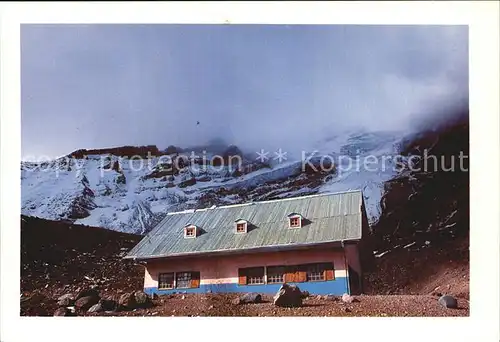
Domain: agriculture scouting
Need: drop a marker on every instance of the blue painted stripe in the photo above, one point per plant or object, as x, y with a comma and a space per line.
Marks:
334, 287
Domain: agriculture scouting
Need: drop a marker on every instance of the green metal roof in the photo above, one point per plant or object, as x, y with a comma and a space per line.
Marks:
326, 218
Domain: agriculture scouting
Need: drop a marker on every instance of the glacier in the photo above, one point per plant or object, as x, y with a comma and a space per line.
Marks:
127, 195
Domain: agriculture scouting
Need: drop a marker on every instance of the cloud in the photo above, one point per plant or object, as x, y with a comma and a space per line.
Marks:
258, 86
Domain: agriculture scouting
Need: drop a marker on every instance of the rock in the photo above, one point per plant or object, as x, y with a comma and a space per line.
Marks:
305, 294
288, 296
186, 183
250, 298
183, 297
127, 301
319, 297
90, 292
108, 304
448, 302
66, 300
62, 312
95, 308
236, 301
142, 300
120, 179
331, 298
85, 303
348, 299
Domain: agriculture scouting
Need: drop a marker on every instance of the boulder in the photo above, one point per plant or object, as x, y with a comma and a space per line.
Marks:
95, 308
288, 296
348, 299
108, 304
127, 300
250, 298
90, 292
66, 300
134, 300
142, 300
85, 303
448, 302
62, 312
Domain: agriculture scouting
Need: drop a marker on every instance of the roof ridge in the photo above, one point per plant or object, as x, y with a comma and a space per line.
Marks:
190, 211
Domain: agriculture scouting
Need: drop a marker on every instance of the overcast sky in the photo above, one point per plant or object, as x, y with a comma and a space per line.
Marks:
257, 86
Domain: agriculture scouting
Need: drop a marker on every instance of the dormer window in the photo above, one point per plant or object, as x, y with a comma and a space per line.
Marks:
189, 231
295, 220
241, 226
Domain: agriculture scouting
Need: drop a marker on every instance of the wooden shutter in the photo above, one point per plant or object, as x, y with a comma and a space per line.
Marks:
301, 274
242, 277
290, 274
195, 279
328, 273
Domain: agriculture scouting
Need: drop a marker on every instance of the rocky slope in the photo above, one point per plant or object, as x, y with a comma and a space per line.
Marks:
421, 240
58, 257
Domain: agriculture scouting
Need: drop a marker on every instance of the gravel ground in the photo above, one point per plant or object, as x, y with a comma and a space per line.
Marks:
220, 305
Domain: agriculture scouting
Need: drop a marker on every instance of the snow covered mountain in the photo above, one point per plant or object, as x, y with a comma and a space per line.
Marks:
107, 188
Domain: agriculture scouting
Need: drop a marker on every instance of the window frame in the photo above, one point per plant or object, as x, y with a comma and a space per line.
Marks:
283, 274
239, 223
190, 228
324, 268
159, 280
245, 273
297, 273
177, 279
319, 270
194, 279
292, 218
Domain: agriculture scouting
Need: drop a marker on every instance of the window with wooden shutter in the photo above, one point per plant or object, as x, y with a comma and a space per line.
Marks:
251, 276
195, 279
328, 271
276, 274
290, 274
320, 272
295, 274
329, 275
242, 277
187, 280
300, 274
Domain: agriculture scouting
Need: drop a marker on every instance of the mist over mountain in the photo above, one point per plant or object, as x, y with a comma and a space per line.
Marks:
254, 86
